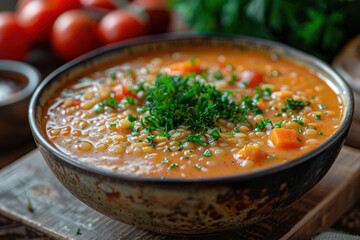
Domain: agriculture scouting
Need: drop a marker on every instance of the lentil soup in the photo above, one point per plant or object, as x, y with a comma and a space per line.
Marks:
192, 113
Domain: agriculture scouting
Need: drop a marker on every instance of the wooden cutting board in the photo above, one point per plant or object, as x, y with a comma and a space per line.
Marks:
55, 213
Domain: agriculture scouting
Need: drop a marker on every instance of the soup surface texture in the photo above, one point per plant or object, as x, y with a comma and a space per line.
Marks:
193, 113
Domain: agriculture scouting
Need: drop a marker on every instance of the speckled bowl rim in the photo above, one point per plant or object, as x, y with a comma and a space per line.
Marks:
117, 176
28, 71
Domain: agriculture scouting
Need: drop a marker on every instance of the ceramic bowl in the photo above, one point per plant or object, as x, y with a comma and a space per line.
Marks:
14, 126
189, 206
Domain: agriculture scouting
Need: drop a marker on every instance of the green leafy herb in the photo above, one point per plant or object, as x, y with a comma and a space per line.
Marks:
186, 157
218, 75
197, 166
130, 100
236, 130
193, 59
165, 134
298, 120
291, 105
131, 118
113, 76
317, 116
111, 102
174, 165
299, 139
215, 133
263, 123
278, 125
278, 114
114, 124
207, 153
234, 79
320, 133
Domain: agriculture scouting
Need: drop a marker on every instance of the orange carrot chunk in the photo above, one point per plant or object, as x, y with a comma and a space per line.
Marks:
252, 152
286, 138
187, 67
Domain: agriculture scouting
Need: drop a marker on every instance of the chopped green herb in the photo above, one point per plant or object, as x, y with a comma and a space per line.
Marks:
186, 157
263, 123
114, 124
113, 76
236, 130
197, 166
320, 133
300, 130
140, 140
234, 79
191, 151
130, 100
111, 102
135, 131
174, 165
195, 138
298, 120
291, 105
218, 75
132, 124
215, 133
131, 118
312, 97
193, 59
207, 153
278, 114
317, 116
168, 149
231, 134
278, 125
299, 139
165, 134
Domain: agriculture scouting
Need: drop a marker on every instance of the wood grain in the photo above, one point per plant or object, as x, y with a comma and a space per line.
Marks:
59, 215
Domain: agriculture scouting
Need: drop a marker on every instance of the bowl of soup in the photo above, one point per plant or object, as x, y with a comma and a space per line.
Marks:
191, 134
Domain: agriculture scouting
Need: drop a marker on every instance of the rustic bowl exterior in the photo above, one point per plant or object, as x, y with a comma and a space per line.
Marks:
14, 127
189, 206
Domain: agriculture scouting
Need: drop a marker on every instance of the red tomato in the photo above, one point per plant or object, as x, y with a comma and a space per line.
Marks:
73, 34
158, 13
251, 79
121, 92
14, 43
108, 4
37, 16
121, 24
64, 5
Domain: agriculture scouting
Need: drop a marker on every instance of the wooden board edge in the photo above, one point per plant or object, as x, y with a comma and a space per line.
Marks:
328, 211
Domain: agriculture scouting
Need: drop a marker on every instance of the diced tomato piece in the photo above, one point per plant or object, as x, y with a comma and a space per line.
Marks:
252, 152
121, 92
251, 79
286, 138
